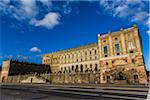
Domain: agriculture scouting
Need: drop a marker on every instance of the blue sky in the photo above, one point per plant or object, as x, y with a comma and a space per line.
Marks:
30, 28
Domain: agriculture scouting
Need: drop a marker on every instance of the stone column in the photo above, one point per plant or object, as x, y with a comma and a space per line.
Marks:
123, 43
110, 45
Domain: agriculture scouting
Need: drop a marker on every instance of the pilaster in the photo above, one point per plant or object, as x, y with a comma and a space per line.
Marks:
110, 45
123, 43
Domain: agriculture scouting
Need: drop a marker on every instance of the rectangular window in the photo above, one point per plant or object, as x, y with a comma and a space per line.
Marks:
130, 45
117, 48
105, 50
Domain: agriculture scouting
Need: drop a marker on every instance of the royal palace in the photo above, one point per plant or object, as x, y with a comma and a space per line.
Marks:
116, 56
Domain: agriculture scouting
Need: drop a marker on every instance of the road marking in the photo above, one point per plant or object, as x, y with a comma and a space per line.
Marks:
122, 97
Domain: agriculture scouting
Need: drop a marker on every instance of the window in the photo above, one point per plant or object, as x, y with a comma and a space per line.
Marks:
76, 70
130, 45
95, 52
131, 51
104, 41
96, 69
118, 53
133, 61
106, 63
117, 49
77, 60
90, 52
81, 68
105, 51
72, 68
116, 38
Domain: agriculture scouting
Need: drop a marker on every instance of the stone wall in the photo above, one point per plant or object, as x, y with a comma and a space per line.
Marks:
70, 78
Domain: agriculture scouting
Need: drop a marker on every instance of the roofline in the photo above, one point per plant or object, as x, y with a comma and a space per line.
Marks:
70, 49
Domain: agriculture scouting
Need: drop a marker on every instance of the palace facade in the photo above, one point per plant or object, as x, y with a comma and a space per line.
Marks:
117, 56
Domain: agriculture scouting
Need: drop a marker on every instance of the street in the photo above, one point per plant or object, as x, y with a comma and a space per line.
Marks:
50, 92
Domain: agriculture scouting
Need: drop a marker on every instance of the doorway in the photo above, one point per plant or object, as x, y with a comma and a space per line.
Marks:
108, 79
136, 79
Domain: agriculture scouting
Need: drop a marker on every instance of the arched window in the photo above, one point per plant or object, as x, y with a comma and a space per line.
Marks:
96, 69
90, 52
61, 69
76, 70
95, 52
72, 68
81, 68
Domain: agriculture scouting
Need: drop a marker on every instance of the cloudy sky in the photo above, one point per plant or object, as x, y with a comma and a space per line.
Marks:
30, 28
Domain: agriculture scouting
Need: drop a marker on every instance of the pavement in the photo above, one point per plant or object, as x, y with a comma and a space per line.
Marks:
71, 92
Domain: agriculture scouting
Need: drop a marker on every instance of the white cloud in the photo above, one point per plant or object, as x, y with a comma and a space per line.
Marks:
148, 32
132, 10
49, 21
47, 3
35, 49
133, 2
148, 22
28, 10
121, 11
141, 16
5, 1
66, 7
29, 7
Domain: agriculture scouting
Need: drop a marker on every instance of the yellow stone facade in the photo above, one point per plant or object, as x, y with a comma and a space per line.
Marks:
117, 55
